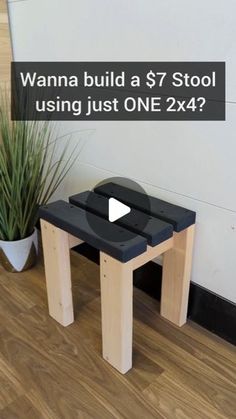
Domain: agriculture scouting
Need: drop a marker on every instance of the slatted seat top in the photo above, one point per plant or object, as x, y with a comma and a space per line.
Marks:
74, 220
179, 217
155, 230
133, 232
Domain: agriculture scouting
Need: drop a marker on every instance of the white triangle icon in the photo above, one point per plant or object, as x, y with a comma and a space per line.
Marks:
117, 210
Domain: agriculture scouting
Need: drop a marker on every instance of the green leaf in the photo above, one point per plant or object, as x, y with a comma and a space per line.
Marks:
33, 163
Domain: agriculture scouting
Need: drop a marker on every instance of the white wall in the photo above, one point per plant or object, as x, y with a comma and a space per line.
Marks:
188, 163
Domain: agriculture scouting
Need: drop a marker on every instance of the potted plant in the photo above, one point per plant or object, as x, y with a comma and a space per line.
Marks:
32, 166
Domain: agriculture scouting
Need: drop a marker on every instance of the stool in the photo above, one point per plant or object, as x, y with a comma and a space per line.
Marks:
169, 230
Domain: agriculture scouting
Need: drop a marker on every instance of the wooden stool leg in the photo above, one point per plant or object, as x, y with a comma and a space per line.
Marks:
58, 274
117, 312
176, 277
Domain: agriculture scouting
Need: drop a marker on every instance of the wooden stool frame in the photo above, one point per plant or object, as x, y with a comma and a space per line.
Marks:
117, 287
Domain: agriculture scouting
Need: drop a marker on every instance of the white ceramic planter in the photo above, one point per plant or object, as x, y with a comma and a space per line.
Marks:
17, 256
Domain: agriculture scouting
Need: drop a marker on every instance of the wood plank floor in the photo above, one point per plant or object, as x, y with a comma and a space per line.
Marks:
51, 372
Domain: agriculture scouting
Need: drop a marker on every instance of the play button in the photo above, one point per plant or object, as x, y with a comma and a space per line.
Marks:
117, 210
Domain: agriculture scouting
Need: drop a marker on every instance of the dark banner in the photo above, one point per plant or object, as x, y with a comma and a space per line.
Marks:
118, 91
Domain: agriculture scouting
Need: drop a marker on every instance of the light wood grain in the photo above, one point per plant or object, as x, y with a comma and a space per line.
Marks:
5, 46
56, 249
152, 253
177, 264
117, 312
117, 286
74, 241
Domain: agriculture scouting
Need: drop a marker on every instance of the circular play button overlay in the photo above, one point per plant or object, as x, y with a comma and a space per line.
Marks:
116, 200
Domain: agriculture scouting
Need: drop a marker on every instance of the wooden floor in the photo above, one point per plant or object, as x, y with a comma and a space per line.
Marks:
51, 372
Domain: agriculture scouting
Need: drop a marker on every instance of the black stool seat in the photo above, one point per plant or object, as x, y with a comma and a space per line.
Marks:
73, 220
143, 226
155, 230
179, 217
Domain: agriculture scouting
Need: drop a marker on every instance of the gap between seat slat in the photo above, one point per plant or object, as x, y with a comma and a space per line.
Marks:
181, 218
73, 220
154, 230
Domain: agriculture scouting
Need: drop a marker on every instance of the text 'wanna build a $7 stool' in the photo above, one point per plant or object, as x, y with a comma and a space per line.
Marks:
168, 230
